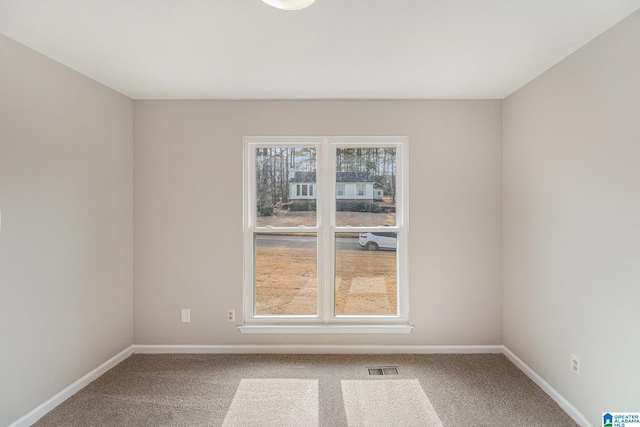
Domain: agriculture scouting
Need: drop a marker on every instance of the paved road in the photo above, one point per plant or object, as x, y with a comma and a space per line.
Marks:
303, 242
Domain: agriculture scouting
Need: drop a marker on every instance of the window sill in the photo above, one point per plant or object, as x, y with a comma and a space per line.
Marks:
326, 329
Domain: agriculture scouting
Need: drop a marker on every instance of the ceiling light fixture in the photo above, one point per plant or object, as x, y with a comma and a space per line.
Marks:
289, 4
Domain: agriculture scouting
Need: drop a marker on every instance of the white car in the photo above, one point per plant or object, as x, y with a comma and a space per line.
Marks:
378, 240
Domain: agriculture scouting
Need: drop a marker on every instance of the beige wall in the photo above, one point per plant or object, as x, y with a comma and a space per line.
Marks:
571, 223
66, 236
188, 213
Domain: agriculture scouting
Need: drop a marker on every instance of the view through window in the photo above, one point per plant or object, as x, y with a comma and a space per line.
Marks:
324, 221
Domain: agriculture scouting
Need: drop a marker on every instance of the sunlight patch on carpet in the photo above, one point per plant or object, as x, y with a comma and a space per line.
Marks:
274, 402
388, 403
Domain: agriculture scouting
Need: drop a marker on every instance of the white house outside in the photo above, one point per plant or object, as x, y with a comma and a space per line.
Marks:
349, 186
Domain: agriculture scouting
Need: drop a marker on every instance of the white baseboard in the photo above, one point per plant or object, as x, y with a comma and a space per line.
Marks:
33, 416
566, 406
317, 349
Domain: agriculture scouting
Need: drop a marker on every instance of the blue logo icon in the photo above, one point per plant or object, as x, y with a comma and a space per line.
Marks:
607, 420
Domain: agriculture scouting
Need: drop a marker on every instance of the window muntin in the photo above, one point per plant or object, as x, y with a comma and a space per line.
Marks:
320, 158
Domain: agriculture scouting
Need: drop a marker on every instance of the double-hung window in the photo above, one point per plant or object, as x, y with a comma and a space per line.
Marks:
323, 251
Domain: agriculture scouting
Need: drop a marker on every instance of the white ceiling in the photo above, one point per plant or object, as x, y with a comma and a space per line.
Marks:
244, 49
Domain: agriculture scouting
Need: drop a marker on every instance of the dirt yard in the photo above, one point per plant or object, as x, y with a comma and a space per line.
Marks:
286, 278
286, 281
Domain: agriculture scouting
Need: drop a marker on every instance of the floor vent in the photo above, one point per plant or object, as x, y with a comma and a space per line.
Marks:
384, 370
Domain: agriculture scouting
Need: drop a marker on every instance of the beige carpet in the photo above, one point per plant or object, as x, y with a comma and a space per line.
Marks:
325, 390
274, 403
387, 402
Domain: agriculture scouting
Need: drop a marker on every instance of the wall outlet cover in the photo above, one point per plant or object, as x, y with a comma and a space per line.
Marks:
575, 364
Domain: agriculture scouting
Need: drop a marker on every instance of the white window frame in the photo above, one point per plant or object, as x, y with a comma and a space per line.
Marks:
325, 321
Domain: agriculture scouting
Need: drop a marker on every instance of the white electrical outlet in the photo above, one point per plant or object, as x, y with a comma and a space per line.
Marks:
575, 364
231, 315
185, 315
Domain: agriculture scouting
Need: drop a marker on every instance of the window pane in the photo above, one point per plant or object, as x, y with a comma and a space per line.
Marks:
286, 274
365, 187
284, 187
366, 274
